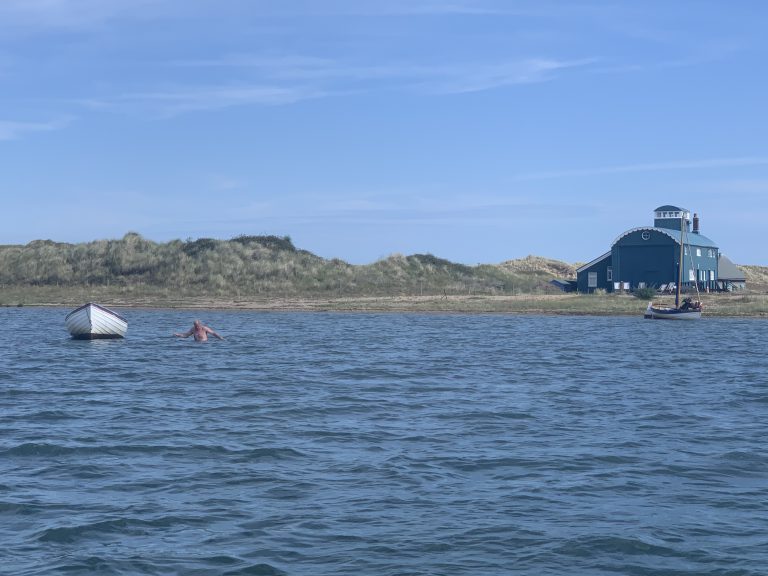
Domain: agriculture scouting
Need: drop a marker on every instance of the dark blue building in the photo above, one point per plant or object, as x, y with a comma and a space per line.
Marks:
648, 256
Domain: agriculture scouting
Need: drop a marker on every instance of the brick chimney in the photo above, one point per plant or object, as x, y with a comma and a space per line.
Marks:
695, 223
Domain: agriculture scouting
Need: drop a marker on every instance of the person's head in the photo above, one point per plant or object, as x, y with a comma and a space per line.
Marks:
197, 323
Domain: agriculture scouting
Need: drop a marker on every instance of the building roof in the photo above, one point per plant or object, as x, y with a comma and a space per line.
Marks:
669, 208
595, 261
727, 270
691, 238
564, 285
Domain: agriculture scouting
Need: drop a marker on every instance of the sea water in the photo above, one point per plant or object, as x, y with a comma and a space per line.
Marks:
384, 444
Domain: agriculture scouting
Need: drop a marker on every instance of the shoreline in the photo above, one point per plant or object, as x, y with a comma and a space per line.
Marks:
745, 305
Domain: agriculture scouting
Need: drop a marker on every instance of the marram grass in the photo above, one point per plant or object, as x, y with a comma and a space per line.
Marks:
270, 273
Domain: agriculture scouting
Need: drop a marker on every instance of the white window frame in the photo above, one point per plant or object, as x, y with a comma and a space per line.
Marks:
591, 279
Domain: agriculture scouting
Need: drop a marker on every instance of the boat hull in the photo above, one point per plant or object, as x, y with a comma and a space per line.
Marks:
672, 314
92, 322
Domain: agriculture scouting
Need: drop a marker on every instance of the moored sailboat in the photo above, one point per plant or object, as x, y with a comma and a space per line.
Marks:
688, 308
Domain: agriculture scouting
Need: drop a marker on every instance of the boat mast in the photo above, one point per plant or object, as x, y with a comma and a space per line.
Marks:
680, 264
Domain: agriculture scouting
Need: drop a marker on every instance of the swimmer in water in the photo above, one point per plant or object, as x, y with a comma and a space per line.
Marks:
200, 332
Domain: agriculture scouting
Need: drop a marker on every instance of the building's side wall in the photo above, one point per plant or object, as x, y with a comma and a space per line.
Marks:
600, 269
704, 263
645, 265
649, 257
652, 262
669, 223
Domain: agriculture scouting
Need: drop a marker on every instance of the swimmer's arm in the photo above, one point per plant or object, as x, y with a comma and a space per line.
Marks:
212, 331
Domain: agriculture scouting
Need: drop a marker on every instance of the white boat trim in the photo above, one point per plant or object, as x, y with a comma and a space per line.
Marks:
91, 321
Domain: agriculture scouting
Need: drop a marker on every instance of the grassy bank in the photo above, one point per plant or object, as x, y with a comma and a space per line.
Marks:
257, 267
716, 305
270, 273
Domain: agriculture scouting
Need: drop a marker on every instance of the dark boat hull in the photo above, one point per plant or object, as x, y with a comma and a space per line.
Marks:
672, 313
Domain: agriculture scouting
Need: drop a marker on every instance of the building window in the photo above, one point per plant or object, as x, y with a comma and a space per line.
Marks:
686, 250
646, 235
610, 274
711, 274
698, 251
592, 280
711, 253
691, 275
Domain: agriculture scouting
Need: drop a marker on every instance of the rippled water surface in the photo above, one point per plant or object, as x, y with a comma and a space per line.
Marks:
364, 444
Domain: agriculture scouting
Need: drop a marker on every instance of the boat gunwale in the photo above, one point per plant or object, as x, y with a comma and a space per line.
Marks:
100, 307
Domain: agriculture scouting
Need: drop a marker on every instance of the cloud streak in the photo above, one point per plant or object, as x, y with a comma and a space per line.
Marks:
480, 78
183, 100
282, 80
10, 130
331, 77
437, 8
68, 14
649, 167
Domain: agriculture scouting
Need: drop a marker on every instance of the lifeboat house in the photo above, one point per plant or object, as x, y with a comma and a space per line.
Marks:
648, 257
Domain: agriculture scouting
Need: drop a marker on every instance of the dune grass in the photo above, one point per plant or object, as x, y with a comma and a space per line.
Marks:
270, 273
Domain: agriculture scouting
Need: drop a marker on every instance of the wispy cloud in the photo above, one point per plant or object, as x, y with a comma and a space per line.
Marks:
224, 183
260, 80
10, 130
445, 78
479, 78
66, 13
88, 13
436, 8
650, 167
446, 207
195, 99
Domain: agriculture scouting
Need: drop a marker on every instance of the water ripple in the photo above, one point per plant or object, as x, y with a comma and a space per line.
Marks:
312, 444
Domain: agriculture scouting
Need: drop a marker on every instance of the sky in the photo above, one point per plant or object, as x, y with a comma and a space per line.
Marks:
475, 130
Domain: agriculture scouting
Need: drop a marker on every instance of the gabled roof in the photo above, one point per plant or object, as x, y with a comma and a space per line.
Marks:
727, 270
595, 261
690, 238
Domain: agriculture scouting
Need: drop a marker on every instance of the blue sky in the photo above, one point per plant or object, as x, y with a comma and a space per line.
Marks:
477, 130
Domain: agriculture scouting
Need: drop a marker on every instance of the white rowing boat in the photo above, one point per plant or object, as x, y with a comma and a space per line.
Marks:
92, 321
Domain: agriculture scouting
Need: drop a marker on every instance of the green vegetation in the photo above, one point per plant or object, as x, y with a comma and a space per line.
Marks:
269, 272
645, 293
252, 266
757, 277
